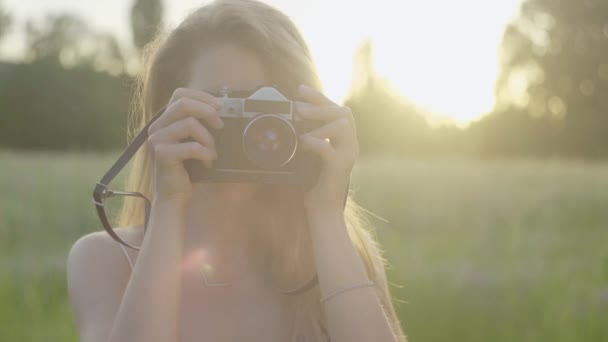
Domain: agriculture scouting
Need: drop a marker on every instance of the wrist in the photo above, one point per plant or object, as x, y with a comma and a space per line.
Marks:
168, 212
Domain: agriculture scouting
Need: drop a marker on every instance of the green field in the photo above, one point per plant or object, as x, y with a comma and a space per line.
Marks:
479, 251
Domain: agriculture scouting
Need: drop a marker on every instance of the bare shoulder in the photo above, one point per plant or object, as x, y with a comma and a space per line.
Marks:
99, 249
97, 275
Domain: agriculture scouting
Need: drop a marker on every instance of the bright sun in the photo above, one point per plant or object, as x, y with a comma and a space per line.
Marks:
442, 54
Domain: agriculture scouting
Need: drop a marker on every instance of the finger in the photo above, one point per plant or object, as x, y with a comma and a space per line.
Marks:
320, 146
196, 95
184, 107
325, 113
334, 129
185, 128
174, 153
314, 96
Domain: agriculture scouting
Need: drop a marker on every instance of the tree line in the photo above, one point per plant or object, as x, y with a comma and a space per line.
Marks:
72, 89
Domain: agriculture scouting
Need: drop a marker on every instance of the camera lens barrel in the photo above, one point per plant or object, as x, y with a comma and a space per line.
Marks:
269, 141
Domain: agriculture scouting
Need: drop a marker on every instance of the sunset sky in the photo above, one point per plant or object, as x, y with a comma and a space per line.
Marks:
441, 54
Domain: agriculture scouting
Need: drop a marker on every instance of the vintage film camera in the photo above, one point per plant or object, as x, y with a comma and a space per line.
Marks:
259, 142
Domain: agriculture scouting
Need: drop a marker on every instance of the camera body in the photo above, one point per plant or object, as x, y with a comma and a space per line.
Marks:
259, 142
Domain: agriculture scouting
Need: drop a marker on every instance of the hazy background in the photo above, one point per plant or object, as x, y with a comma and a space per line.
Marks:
483, 128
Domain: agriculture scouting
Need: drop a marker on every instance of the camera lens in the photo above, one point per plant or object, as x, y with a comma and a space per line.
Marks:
269, 141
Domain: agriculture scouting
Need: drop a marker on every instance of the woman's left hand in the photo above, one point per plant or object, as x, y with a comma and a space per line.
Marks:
338, 155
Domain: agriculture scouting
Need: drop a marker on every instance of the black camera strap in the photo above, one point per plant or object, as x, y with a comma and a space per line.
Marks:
101, 187
128, 153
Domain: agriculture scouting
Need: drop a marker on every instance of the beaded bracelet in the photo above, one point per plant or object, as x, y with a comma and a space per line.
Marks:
344, 289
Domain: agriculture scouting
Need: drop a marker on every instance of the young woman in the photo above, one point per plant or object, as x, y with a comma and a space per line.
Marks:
252, 241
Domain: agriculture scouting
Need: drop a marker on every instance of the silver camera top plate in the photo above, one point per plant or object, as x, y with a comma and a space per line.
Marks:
258, 103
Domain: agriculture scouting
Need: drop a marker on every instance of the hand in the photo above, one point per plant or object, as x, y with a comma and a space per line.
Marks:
338, 155
179, 121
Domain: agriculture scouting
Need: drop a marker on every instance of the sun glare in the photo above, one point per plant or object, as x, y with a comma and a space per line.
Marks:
441, 55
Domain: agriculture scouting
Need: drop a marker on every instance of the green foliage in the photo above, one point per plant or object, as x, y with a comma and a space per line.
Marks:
67, 40
58, 35
44, 204
45, 106
493, 251
560, 49
70, 94
5, 21
146, 21
389, 124
477, 251
73, 93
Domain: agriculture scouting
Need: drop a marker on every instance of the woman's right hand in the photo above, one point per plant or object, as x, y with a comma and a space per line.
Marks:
166, 135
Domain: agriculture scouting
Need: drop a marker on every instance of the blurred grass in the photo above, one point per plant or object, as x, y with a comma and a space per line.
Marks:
478, 251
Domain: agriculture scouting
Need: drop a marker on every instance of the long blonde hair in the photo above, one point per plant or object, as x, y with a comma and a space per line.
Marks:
274, 37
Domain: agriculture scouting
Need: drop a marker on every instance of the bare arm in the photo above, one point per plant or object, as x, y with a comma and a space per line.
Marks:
150, 307
148, 310
357, 314
147, 307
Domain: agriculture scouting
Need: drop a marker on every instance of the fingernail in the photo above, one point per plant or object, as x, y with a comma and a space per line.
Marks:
219, 103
